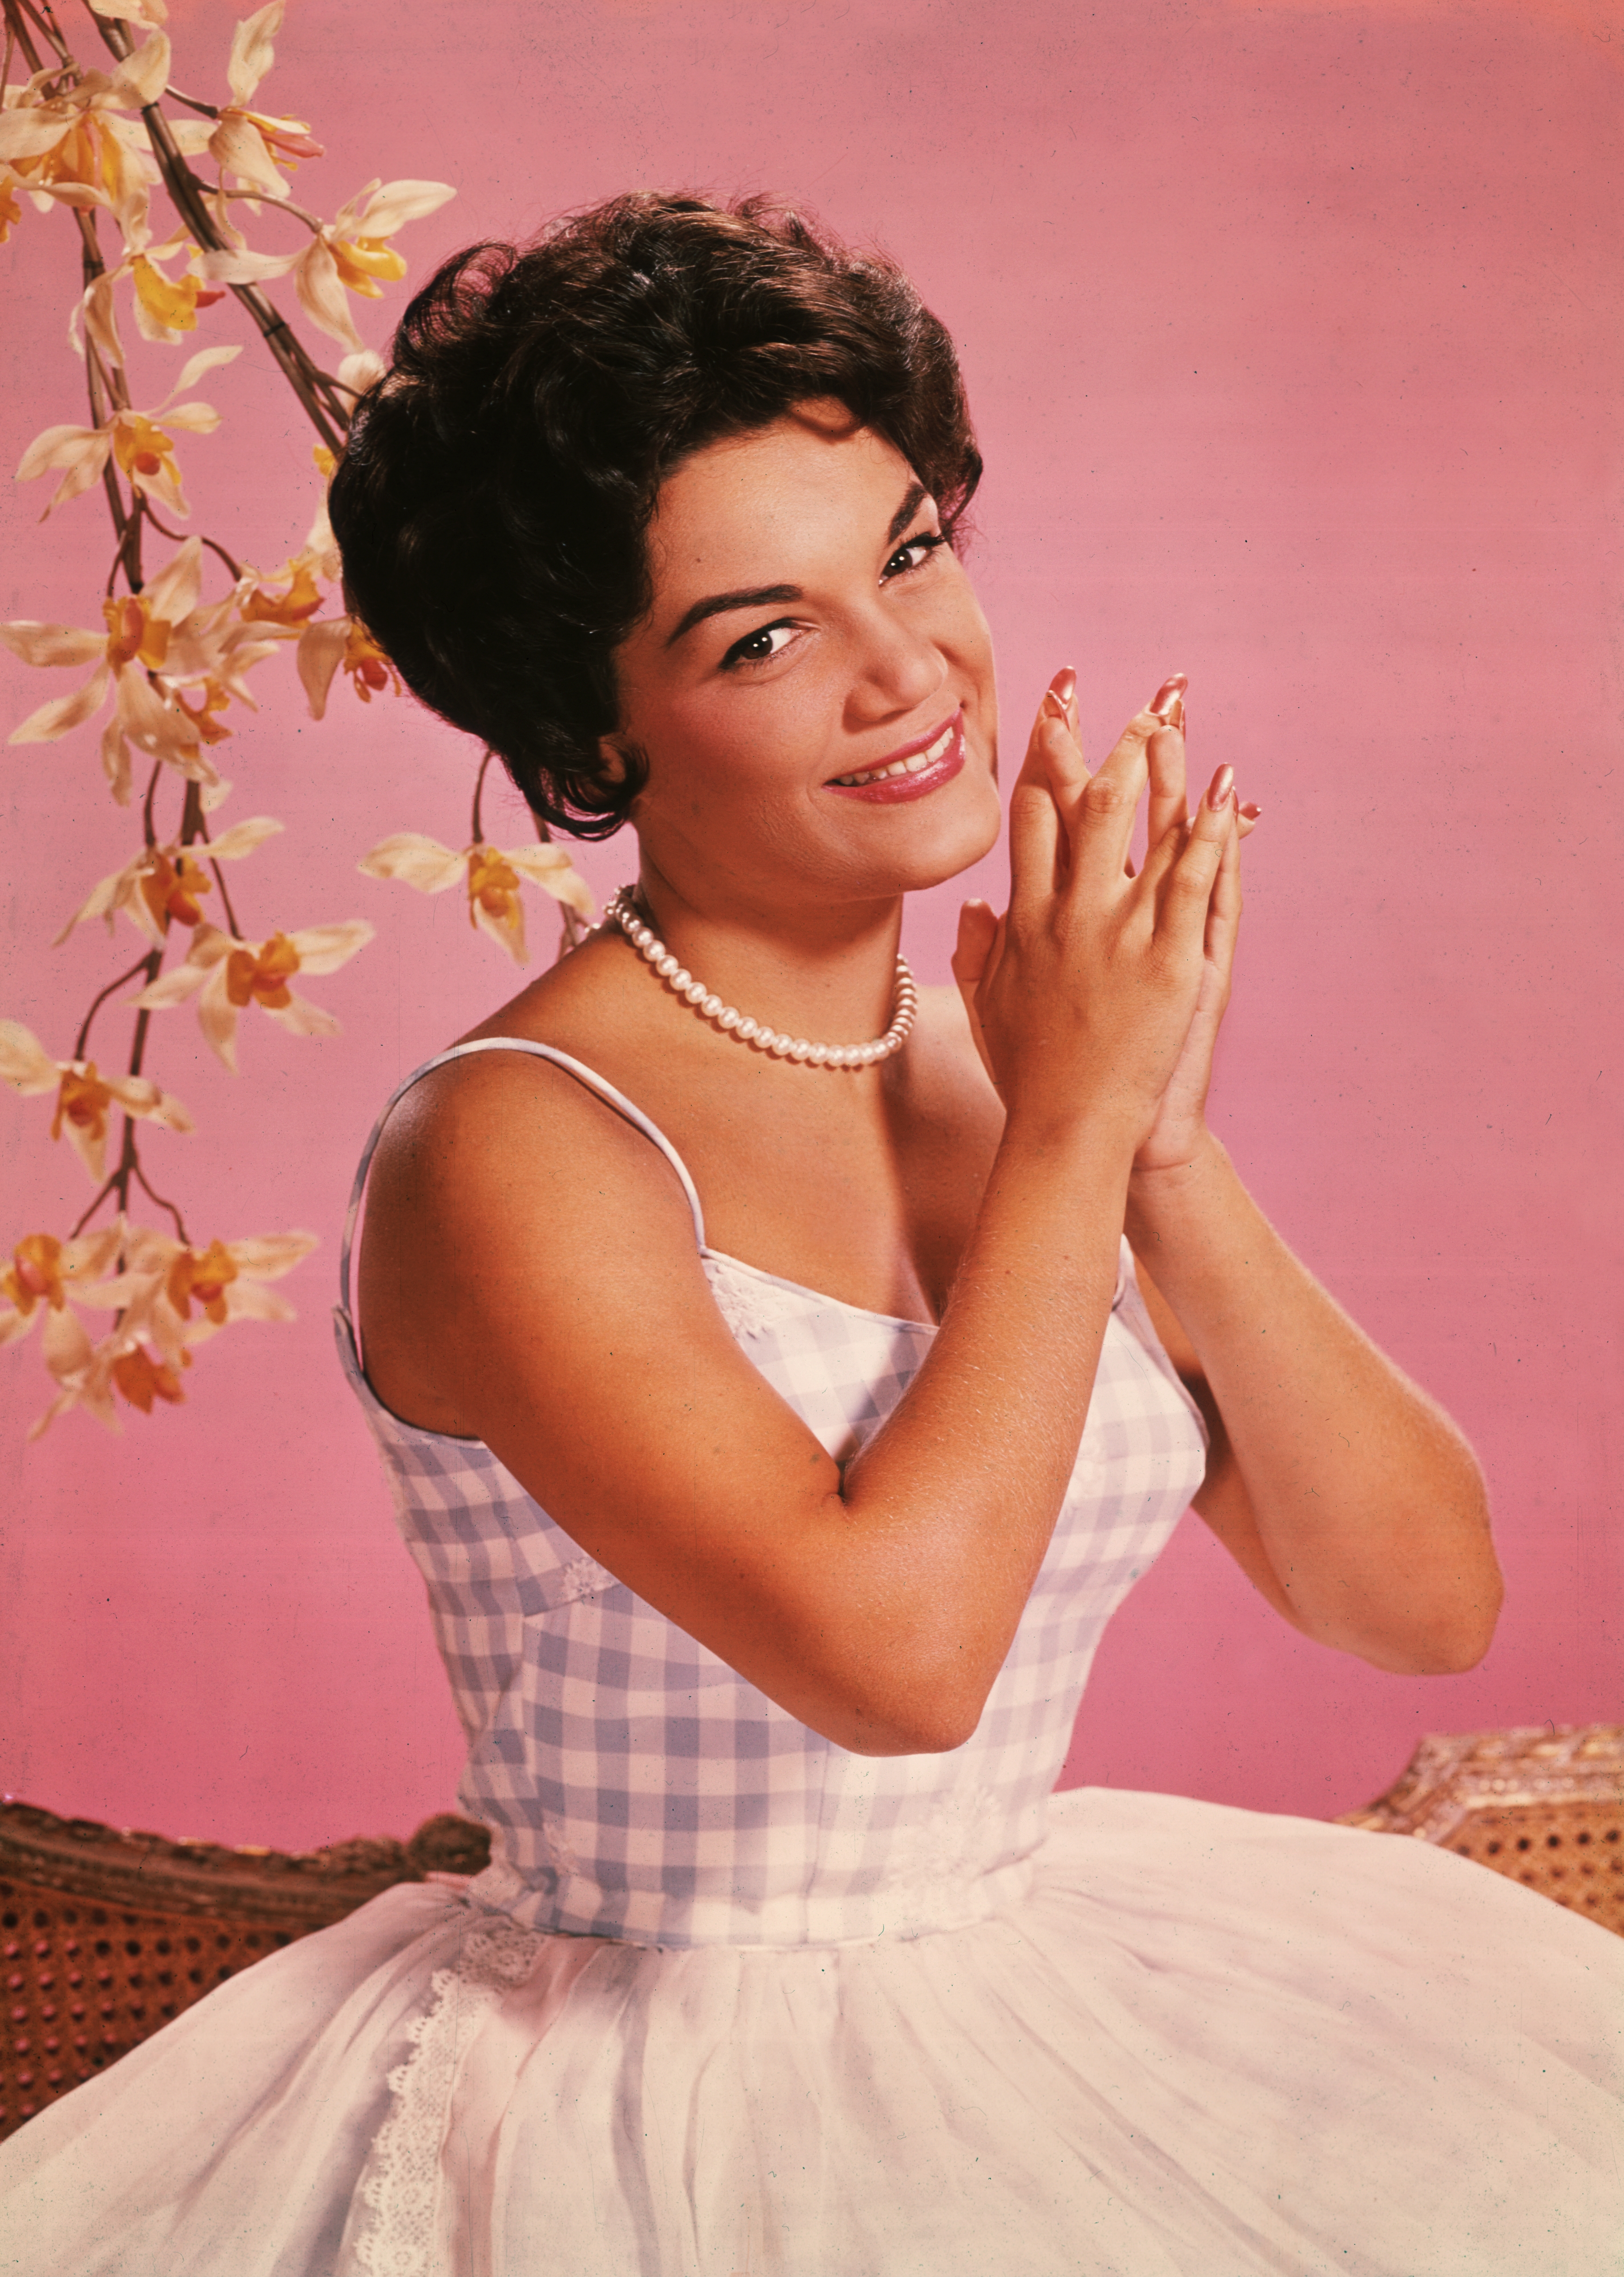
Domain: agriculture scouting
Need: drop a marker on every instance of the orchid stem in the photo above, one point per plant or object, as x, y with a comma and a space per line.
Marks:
51, 29
181, 1231
209, 110
148, 830
141, 965
106, 1189
476, 827
284, 205
194, 826
175, 538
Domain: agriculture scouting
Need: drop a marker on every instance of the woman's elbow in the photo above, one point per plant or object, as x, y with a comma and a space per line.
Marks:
915, 1711
1445, 1638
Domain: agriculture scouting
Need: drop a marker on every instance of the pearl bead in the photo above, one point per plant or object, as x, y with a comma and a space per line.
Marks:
820, 1055
800, 1049
666, 966
680, 979
783, 1045
743, 1028
710, 1005
696, 992
727, 1019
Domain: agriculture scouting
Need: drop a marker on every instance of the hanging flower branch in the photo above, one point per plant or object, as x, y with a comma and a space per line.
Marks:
177, 639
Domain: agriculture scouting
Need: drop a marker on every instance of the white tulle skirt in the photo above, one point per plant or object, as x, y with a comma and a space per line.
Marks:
1209, 2043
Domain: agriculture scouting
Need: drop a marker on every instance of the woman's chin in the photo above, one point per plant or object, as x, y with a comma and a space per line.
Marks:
952, 840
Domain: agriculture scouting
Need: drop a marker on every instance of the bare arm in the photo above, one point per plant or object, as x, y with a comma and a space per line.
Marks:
1345, 1494
580, 1341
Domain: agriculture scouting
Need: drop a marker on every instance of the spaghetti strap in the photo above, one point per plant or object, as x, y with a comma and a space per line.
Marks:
583, 1074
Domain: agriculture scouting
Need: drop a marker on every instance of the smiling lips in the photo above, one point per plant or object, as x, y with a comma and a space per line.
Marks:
916, 769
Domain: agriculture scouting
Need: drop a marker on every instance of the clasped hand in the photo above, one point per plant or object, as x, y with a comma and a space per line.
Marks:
1097, 997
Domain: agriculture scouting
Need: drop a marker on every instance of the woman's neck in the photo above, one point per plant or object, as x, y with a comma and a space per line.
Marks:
826, 972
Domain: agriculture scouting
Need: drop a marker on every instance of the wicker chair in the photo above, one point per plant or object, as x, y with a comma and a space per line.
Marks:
106, 1936
1543, 1803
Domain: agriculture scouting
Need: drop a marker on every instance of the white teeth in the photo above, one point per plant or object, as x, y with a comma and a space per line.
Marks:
916, 765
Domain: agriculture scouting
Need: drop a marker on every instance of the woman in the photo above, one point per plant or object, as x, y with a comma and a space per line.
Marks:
768, 1588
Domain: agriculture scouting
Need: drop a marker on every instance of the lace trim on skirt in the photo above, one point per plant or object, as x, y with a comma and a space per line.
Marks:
399, 2196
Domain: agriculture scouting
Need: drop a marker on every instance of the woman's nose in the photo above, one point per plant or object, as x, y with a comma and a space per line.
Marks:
899, 667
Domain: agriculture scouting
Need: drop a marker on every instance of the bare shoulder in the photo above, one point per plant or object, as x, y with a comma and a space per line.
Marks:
506, 1190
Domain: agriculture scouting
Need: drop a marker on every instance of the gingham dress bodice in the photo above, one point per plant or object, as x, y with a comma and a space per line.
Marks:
636, 1786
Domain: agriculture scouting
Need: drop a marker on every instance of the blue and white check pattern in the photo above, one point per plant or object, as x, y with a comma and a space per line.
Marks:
637, 1788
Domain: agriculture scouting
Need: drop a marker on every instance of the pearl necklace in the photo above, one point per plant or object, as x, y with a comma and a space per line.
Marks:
709, 1006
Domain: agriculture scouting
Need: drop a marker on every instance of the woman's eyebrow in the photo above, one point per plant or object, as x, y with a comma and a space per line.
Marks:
716, 605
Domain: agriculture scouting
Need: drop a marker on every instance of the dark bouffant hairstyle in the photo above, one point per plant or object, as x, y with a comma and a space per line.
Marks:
492, 502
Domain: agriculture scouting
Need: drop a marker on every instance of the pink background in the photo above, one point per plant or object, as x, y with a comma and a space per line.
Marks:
1293, 336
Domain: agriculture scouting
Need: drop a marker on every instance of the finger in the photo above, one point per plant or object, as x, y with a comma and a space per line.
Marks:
1109, 801
977, 929
974, 961
1068, 774
1035, 839
1166, 755
1224, 909
1187, 897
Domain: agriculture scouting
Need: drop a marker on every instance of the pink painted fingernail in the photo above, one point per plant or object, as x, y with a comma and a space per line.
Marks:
1053, 707
1223, 788
1251, 810
1064, 684
1168, 699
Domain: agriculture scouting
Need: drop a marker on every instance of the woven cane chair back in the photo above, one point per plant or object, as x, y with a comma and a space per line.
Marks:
105, 1936
1543, 1803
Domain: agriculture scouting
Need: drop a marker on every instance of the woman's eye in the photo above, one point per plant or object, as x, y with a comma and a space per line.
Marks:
915, 553
757, 647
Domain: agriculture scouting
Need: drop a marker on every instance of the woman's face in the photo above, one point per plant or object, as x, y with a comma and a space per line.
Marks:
809, 626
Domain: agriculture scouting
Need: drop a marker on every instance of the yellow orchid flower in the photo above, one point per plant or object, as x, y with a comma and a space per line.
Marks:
248, 144
82, 1370
143, 1378
134, 641
10, 212
87, 1373
84, 1096
227, 975
491, 875
207, 1276
352, 251
162, 1280
161, 885
42, 1272
154, 644
61, 137
166, 306
333, 643
294, 608
144, 449
167, 1296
